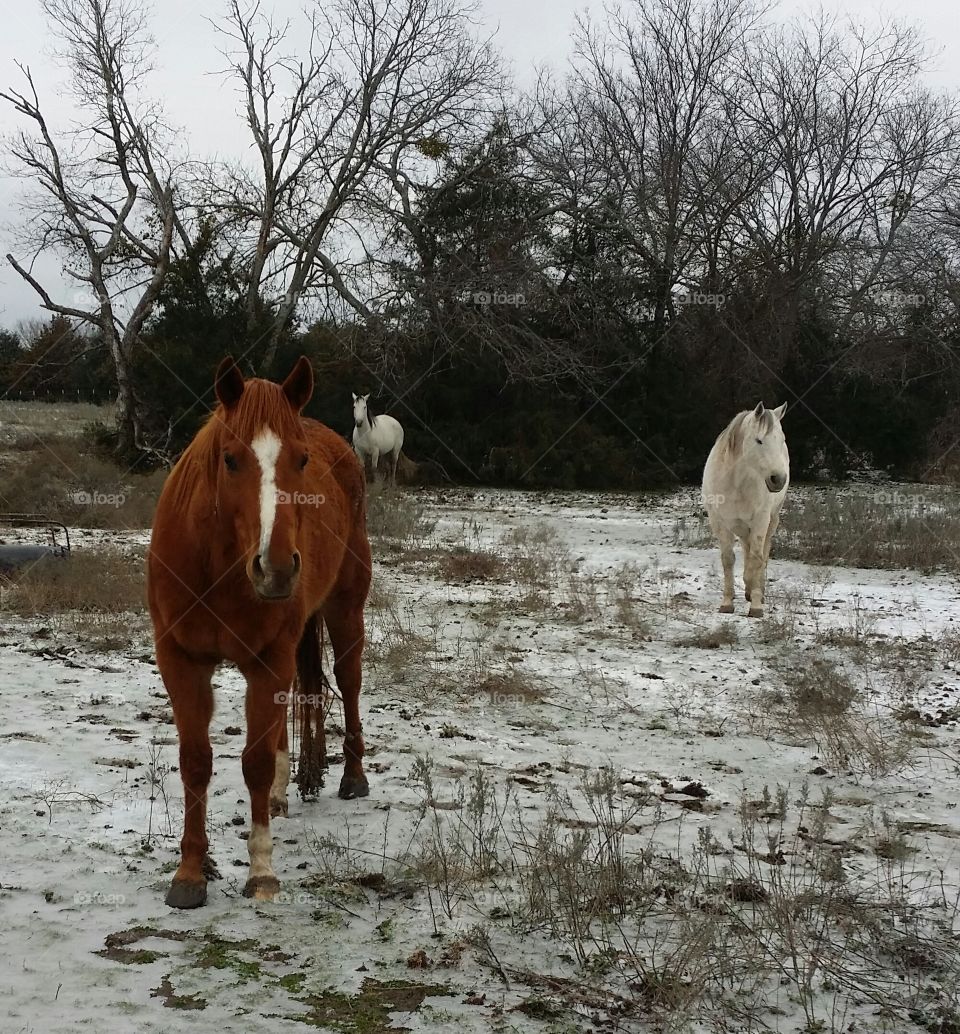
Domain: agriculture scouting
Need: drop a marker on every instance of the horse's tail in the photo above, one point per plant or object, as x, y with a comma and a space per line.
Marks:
311, 701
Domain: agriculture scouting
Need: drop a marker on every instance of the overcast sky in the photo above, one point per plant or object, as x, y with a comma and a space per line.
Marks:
530, 33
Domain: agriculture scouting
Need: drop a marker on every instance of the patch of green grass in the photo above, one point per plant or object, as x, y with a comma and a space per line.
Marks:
171, 1000
368, 1011
222, 953
292, 982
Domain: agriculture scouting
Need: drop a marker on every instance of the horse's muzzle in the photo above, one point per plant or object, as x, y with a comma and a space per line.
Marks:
775, 482
272, 583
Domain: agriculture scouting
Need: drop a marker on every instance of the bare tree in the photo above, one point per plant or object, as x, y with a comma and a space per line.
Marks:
651, 87
376, 78
104, 198
855, 150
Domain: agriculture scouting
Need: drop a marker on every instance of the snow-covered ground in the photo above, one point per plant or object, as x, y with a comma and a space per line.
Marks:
616, 670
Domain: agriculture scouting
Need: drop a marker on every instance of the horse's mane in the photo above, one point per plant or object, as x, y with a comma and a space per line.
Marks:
371, 416
731, 437
262, 404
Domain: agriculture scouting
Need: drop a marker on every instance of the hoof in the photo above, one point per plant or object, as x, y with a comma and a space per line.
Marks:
187, 894
278, 807
726, 608
755, 612
351, 788
263, 888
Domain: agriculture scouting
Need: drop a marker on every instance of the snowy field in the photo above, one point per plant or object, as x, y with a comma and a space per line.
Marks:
595, 803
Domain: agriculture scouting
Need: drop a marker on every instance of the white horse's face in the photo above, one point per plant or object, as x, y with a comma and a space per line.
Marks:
359, 409
765, 447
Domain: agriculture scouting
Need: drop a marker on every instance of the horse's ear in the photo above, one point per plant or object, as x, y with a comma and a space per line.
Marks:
298, 387
779, 411
758, 412
365, 397
355, 397
228, 383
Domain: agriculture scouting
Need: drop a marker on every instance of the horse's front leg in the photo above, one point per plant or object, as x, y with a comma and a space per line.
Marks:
726, 559
375, 462
268, 681
768, 540
191, 696
362, 457
755, 579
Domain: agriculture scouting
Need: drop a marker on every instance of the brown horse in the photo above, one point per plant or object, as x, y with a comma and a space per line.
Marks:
259, 535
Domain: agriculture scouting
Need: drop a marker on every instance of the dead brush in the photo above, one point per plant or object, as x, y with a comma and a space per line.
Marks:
631, 921
68, 479
881, 529
949, 646
397, 520
833, 937
781, 620
382, 595
463, 565
629, 609
98, 596
693, 531
463, 848
536, 557
818, 701
856, 634
395, 641
580, 596
549, 578
23, 422
512, 686
723, 634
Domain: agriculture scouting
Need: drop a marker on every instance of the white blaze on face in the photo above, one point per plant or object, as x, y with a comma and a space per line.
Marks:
266, 447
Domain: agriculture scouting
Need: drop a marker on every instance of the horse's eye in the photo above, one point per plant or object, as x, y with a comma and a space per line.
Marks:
303, 460
759, 441
230, 461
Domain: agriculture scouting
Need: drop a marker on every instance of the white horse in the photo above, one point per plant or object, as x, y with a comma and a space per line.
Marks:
744, 484
375, 435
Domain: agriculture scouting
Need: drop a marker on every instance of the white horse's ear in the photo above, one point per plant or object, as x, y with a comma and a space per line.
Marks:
758, 412
779, 411
365, 397
354, 396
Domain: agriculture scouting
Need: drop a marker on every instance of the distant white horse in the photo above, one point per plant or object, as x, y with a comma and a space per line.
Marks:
376, 435
744, 484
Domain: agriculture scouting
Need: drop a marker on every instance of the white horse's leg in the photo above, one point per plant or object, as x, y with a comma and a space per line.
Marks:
726, 559
745, 545
757, 573
375, 460
395, 458
768, 540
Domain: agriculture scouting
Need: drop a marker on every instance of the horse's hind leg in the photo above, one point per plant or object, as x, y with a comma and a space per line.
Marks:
760, 570
268, 683
191, 695
281, 775
726, 559
395, 458
347, 638
745, 544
